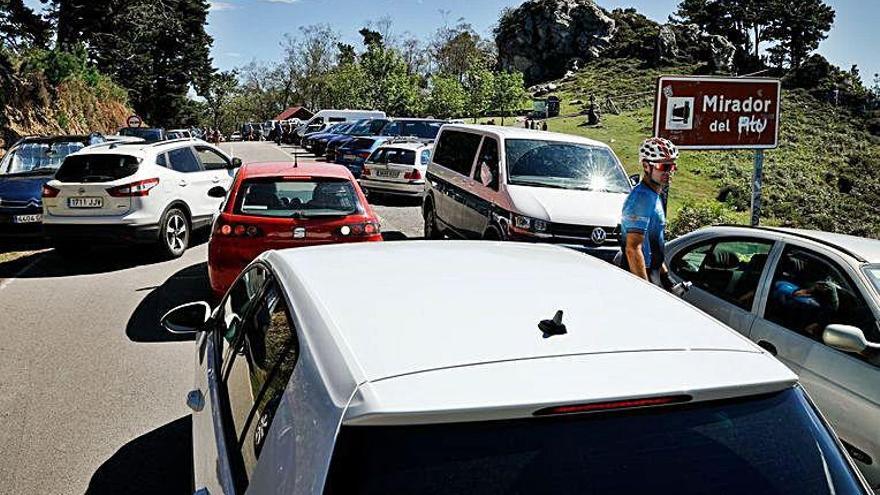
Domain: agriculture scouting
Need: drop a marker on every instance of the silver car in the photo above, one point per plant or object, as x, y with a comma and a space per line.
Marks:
810, 298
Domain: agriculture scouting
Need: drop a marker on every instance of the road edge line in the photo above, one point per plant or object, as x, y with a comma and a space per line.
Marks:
5, 282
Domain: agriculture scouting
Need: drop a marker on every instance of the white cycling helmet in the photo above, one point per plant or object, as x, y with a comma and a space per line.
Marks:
657, 149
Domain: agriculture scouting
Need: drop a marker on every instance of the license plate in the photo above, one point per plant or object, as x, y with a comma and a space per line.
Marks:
27, 219
85, 202
391, 174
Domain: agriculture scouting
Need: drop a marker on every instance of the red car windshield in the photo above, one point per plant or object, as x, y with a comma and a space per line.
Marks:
297, 198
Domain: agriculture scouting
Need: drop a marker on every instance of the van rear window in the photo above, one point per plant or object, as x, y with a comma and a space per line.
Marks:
97, 168
772, 444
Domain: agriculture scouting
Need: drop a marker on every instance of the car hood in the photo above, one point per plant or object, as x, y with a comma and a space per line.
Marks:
23, 187
568, 205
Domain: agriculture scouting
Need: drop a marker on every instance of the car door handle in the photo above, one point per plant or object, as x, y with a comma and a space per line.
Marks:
215, 180
183, 183
767, 346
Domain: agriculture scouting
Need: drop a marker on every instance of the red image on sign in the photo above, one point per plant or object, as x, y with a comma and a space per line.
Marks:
134, 121
717, 113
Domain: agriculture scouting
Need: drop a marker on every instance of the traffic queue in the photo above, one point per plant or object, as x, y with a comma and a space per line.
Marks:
533, 366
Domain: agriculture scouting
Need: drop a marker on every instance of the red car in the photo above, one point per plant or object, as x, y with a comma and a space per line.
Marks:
279, 205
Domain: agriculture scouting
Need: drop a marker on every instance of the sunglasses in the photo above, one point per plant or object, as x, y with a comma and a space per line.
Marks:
664, 166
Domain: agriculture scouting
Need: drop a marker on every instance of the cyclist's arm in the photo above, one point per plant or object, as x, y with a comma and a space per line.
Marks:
634, 254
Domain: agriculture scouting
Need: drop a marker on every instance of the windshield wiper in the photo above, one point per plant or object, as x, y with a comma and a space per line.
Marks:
320, 215
518, 182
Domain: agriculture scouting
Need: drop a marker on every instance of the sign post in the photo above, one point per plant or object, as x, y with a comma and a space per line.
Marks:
720, 113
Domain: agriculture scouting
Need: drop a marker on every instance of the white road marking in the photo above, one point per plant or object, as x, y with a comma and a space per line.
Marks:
5, 282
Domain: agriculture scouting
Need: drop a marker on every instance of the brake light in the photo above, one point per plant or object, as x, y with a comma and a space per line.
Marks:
359, 229
238, 230
135, 189
364, 155
614, 405
50, 192
413, 175
367, 171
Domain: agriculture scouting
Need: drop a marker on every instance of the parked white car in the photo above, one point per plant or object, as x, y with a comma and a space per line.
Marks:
128, 193
514, 368
810, 298
398, 168
504, 183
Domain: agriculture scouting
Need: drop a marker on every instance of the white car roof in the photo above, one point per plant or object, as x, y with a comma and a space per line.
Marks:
437, 309
140, 149
407, 145
867, 249
504, 132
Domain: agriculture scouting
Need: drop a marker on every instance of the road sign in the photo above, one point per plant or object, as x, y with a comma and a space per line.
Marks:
134, 121
699, 112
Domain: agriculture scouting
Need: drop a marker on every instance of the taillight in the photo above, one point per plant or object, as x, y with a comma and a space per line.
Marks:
359, 229
50, 192
413, 175
614, 405
366, 171
140, 188
238, 230
364, 155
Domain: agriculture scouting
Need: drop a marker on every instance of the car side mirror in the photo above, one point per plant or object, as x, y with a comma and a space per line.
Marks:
187, 319
847, 338
217, 192
634, 179
236, 162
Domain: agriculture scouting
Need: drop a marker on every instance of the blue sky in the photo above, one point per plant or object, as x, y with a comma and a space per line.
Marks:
245, 30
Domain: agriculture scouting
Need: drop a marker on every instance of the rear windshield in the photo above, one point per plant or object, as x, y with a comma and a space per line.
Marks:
422, 129
361, 144
297, 199
564, 165
769, 445
148, 135
403, 157
38, 157
96, 168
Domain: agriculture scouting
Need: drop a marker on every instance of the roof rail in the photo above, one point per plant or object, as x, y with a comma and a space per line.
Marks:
802, 235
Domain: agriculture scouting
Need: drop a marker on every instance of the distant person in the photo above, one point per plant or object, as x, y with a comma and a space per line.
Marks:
278, 132
643, 219
544, 126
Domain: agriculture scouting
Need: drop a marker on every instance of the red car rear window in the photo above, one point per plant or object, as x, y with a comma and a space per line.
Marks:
297, 198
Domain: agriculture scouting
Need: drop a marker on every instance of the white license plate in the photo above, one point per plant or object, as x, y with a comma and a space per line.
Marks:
85, 202
27, 218
391, 174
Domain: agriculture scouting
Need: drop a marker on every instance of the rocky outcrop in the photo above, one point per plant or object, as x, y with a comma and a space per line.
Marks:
541, 37
688, 43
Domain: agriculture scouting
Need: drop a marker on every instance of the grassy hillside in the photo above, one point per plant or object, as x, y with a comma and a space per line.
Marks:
824, 175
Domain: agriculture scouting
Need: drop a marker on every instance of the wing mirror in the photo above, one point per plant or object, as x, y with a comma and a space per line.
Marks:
187, 319
236, 162
847, 338
634, 179
217, 192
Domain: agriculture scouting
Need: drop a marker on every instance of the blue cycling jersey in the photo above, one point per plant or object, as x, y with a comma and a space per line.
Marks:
643, 213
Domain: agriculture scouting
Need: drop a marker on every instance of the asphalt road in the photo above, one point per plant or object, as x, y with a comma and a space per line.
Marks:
91, 388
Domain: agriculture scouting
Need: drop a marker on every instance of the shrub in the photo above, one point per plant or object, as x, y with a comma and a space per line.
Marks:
694, 215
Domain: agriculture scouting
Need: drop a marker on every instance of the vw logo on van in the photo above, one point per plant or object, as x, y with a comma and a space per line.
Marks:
599, 235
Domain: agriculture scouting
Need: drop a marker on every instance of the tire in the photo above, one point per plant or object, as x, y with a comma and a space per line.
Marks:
493, 233
175, 233
431, 229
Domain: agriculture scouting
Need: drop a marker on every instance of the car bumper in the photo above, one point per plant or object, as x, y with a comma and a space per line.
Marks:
388, 187
102, 234
605, 252
9, 227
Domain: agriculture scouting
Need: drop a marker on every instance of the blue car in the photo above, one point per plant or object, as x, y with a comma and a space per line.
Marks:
354, 153
319, 144
364, 127
308, 140
24, 170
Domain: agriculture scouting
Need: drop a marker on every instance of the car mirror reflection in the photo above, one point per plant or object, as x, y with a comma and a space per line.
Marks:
188, 318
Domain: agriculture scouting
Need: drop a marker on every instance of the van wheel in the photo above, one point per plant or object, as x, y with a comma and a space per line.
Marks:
492, 234
431, 230
174, 233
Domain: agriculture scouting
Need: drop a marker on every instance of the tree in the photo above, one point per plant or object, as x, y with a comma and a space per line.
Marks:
447, 98
456, 49
217, 90
391, 87
308, 58
798, 31
509, 92
479, 85
21, 27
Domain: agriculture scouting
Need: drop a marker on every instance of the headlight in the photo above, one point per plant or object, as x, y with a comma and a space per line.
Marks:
530, 224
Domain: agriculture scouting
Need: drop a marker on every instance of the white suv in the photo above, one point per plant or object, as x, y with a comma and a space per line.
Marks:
504, 183
157, 193
516, 368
